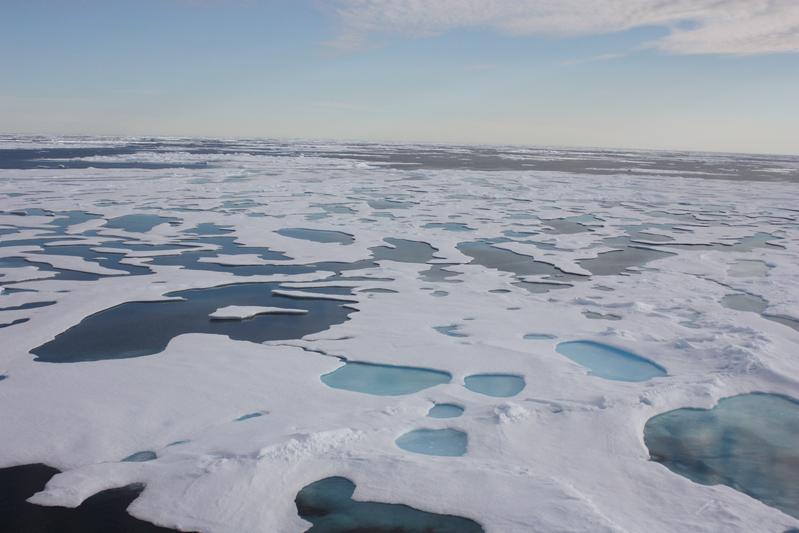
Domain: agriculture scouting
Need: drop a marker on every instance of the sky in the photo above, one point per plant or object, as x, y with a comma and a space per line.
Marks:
716, 75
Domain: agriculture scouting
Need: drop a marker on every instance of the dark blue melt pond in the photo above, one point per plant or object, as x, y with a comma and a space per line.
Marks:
329, 506
135, 329
104, 512
404, 251
138, 223
485, 254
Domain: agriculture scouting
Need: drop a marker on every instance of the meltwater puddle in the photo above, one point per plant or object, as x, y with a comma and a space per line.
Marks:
609, 362
446, 442
384, 380
747, 442
497, 385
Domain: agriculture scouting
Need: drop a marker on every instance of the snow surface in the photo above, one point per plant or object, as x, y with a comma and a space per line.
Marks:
565, 454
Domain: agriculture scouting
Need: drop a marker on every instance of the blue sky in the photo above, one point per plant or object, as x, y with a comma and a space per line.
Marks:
621, 73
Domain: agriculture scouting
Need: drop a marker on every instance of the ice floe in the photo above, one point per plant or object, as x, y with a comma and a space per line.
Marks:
513, 250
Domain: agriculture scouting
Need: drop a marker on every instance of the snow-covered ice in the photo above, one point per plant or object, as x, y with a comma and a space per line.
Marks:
509, 251
241, 312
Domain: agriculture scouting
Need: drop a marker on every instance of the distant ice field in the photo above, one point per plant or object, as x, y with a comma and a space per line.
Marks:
254, 336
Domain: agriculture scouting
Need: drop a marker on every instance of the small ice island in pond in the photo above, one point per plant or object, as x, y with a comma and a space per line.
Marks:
243, 312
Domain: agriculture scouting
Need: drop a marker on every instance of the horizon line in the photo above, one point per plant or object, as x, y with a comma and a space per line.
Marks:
565, 147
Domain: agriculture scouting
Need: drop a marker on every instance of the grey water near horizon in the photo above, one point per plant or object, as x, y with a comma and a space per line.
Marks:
77, 152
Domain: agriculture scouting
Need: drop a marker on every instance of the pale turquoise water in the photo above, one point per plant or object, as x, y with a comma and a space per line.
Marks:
499, 385
140, 457
609, 362
444, 442
748, 442
384, 380
445, 410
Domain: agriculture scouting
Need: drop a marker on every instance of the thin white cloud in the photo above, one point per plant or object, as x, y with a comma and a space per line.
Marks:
742, 27
600, 57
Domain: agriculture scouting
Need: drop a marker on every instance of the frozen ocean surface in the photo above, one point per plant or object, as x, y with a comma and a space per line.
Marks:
197, 332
